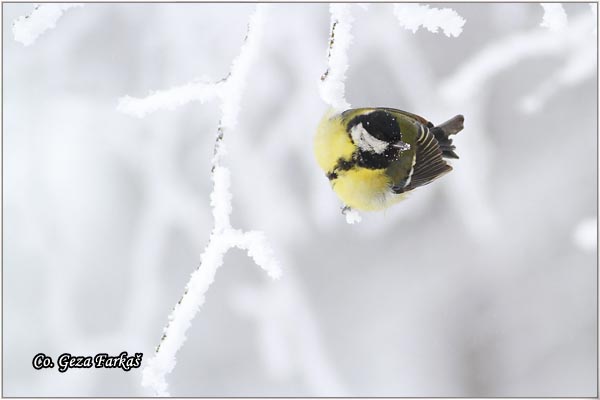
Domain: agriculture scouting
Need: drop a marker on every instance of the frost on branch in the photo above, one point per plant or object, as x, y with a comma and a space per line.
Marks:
228, 90
332, 86
352, 216
26, 29
413, 16
169, 99
555, 17
223, 236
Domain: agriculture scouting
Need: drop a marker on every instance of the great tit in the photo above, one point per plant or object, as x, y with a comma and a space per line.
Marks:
374, 156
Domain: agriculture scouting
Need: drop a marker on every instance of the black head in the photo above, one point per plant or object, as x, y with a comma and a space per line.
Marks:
375, 135
379, 124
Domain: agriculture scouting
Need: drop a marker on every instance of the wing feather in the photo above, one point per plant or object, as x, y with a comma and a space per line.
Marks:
429, 164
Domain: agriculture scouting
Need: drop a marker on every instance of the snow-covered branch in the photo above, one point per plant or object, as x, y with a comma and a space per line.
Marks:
332, 86
227, 90
413, 16
352, 216
26, 29
169, 99
223, 236
555, 17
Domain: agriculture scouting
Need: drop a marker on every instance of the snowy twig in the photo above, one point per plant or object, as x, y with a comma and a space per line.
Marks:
227, 90
332, 86
352, 216
223, 236
413, 16
26, 29
169, 99
555, 17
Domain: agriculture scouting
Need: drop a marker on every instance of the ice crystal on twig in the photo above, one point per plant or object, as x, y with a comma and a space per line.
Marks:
414, 16
27, 29
332, 86
555, 17
169, 99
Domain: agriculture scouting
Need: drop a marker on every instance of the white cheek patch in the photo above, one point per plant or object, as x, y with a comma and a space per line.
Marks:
365, 141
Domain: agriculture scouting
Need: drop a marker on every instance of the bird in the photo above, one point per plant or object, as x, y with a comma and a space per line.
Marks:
374, 156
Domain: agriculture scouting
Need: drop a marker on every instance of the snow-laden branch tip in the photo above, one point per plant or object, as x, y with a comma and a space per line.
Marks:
555, 17
227, 90
223, 236
169, 99
413, 16
332, 87
26, 29
240, 67
352, 216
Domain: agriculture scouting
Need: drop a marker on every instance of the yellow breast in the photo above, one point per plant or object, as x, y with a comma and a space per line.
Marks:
360, 188
332, 142
365, 189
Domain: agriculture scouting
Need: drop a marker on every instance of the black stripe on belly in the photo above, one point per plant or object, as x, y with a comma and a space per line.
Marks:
369, 160
341, 165
365, 159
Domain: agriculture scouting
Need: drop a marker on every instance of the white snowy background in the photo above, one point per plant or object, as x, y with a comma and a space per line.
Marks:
481, 284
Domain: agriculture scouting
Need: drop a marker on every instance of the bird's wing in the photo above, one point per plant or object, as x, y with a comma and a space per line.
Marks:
429, 164
409, 115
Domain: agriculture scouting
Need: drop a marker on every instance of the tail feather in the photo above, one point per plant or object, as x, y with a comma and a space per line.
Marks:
443, 131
